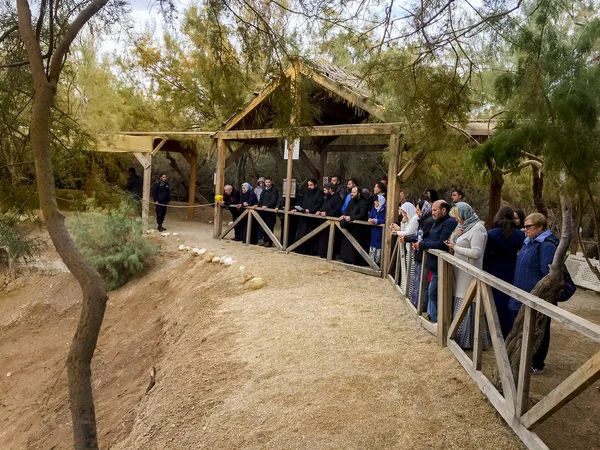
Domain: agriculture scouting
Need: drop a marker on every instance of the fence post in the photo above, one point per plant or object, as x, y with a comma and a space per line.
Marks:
444, 300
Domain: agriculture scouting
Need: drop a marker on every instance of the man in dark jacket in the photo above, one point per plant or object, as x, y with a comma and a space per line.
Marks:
332, 207
338, 187
438, 235
268, 199
310, 203
134, 187
358, 209
161, 194
232, 198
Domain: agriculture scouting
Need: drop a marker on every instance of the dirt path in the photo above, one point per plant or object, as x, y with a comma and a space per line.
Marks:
319, 358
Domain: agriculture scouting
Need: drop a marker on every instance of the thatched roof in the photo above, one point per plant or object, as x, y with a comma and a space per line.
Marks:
340, 97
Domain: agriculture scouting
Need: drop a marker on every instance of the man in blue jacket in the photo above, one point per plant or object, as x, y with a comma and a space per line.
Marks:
161, 194
533, 264
440, 231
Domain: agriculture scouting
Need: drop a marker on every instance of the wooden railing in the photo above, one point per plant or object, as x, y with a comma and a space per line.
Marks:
513, 402
331, 223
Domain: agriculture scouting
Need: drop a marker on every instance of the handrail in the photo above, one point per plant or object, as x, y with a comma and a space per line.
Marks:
570, 320
301, 214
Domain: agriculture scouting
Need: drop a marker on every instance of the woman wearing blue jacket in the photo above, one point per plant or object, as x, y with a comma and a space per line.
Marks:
533, 264
376, 217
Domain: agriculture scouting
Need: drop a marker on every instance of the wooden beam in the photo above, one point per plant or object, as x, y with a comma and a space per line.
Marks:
308, 163
356, 99
479, 328
361, 129
445, 282
192, 188
422, 301
262, 95
331, 241
146, 161
294, 119
358, 148
219, 185
502, 361
421, 321
322, 163
234, 156
308, 236
267, 230
411, 165
562, 394
585, 327
358, 247
393, 198
159, 146
464, 308
232, 226
525, 362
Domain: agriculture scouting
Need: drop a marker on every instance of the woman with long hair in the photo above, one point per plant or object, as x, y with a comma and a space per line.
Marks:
504, 242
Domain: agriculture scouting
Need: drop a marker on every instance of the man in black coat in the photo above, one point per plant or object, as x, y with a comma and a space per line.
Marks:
338, 187
268, 199
310, 203
232, 198
134, 187
332, 207
440, 232
357, 209
161, 194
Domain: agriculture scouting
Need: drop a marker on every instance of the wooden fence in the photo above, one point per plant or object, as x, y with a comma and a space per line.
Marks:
329, 223
513, 402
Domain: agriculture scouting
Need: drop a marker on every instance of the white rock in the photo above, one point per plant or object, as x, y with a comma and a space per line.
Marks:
242, 268
187, 248
216, 260
165, 234
229, 223
228, 261
175, 234
8, 374
256, 283
202, 251
181, 247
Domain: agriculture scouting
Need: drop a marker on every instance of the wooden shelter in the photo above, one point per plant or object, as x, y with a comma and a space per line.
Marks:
144, 146
345, 108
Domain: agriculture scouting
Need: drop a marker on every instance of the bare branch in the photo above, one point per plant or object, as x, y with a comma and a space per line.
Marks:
524, 164
8, 32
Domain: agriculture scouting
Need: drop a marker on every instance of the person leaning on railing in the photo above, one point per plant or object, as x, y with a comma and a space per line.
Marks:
248, 199
332, 207
268, 199
231, 200
376, 217
310, 203
533, 264
425, 222
468, 243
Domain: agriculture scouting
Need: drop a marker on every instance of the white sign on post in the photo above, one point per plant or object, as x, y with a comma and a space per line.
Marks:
296, 149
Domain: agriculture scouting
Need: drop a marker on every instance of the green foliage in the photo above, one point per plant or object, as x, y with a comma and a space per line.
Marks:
113, 243
16, 242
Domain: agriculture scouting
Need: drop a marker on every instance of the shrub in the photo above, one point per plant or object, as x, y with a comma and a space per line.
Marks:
16, 244
113, 243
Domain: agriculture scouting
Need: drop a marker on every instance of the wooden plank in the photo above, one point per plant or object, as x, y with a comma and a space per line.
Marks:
421, 321
393, 198
562, 394
308, 236
355, 99
478, 334
159, 146
125, 144
141, 157
464, 307
219, 185
358, 247
146, 183
192, 187
248, 229
331, 241
570, 320
531, 440
422, 282
504, 369
409, 280
353, 268
361, 129
411, 165
445, 278
262, 95
235, 156
525, 362
322, 163
309, 164
232, 226
267, 230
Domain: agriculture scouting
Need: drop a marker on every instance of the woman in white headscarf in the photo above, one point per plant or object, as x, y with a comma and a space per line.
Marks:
410, 220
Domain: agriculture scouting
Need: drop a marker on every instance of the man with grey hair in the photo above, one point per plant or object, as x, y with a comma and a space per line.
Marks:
232, 198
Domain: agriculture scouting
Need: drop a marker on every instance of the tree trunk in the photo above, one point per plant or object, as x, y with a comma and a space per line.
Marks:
548, 288
496, 183
92, 285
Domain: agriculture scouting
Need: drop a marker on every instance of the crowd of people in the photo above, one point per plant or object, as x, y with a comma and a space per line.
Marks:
518, 249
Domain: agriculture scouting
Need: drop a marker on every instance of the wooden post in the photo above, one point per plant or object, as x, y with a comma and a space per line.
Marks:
444, 301
525, 362
322, 163
145, 159
294, 120
479, 329
192, 191
393, 197
220, 182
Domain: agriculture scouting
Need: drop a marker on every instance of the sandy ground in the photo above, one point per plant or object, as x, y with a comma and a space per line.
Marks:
320, 358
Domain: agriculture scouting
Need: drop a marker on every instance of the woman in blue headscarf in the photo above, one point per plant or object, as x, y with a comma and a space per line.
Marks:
376, 217
468, 243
